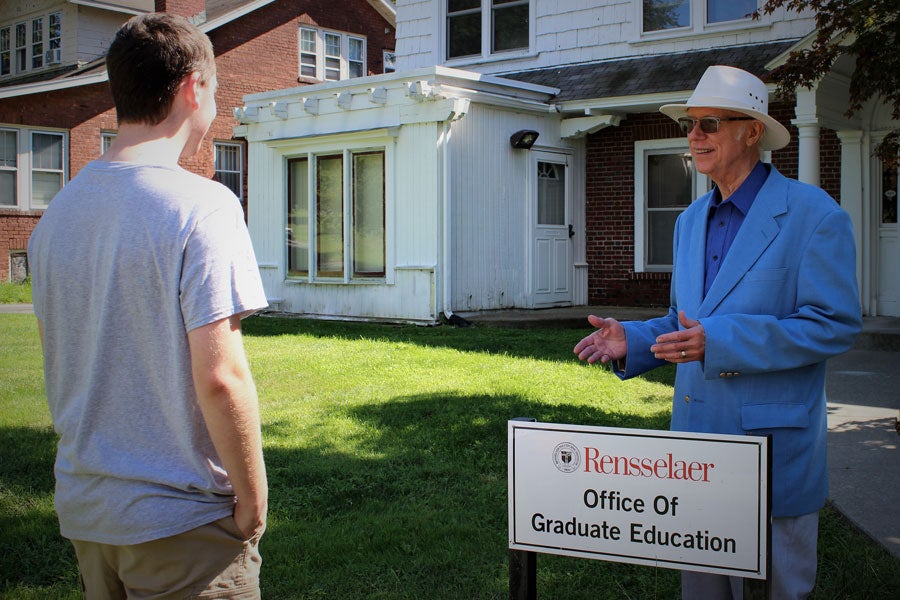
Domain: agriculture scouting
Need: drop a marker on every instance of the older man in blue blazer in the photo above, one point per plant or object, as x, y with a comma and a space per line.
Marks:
763, 292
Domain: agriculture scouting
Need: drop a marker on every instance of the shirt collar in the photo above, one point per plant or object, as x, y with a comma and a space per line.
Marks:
743, 197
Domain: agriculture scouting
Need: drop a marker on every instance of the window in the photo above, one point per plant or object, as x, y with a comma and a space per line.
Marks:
32, 166
106, 140
47, 174
230, 167
665, 183
694, 15
336, 216
330, 55
389, 61
5, 51
37, 43
21, 51
8, 166
477, 28
30, 45
308, 52
889, 189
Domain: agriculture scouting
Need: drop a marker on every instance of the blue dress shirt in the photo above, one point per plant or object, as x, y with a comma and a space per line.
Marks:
725, 219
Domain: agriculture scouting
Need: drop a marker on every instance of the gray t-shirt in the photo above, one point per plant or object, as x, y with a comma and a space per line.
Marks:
125, 261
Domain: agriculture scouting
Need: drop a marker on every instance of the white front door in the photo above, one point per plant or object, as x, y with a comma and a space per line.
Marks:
888, 291
552, 267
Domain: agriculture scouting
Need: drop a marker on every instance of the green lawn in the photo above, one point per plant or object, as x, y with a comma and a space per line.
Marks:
13, 293
386, 452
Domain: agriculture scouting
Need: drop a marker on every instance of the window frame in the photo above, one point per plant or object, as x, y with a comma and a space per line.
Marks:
322, 57
700, 184
106, 140
25, 165
698, 24
346, 152
40, 48
6, 53
239, 147
487, 52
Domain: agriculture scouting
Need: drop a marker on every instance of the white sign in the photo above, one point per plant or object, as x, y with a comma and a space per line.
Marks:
687, 501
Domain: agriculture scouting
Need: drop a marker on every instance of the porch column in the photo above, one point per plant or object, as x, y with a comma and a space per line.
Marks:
852, 201
807, 124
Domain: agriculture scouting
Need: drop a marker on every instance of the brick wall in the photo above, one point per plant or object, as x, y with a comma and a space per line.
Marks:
256, 53
610, 203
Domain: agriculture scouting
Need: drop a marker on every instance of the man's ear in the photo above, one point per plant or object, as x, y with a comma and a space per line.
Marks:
190, 88
755, 132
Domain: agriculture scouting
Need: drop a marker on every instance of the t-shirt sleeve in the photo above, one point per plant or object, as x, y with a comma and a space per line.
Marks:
220, 276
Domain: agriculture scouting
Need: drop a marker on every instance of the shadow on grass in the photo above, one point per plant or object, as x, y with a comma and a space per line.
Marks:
540, 343
33, 555
417, 508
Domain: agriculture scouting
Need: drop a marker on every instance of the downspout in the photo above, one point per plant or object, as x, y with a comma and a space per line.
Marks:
461, 107
445, 221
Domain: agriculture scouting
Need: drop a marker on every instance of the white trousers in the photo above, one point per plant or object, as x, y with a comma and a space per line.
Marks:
793, 573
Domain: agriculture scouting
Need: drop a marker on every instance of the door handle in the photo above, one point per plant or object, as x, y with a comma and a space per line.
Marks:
571, 231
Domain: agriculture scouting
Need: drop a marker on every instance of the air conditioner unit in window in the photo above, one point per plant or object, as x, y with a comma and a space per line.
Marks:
53, 56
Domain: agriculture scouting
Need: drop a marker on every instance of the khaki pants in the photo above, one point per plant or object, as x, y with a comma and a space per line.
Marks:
211, 561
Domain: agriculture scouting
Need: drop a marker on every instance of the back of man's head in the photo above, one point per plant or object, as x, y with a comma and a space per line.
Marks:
149, 57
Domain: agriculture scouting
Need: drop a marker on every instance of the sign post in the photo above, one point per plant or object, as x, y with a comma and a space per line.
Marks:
678, 500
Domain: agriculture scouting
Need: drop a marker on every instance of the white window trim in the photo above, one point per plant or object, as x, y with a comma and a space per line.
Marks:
24, 164
51, 58
240, 171
486, 54
320, 53
642, 149
347, 145
698, 27
106, 138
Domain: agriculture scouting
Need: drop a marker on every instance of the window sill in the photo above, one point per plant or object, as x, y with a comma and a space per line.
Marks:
325, 282
493, 58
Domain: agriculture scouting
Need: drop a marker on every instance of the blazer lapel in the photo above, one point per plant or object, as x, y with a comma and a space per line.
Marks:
755, 235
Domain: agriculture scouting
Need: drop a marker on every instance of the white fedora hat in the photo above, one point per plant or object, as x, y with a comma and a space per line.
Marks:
734, 89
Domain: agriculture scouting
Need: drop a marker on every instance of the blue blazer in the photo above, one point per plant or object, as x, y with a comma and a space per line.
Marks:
784, 301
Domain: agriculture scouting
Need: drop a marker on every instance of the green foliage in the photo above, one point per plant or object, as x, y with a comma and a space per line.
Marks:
386, 453
15, 293
868, 30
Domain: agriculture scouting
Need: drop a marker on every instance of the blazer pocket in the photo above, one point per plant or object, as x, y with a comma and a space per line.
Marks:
774, 416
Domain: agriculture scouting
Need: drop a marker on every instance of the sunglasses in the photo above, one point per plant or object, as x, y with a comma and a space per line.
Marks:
707, 124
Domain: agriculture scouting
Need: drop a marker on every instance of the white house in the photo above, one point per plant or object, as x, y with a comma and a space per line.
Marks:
422, 193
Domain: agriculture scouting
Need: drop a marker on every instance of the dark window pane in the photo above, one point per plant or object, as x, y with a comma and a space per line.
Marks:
669, 181
511, 28
455, 5
464, 35
660, 235
666, 14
